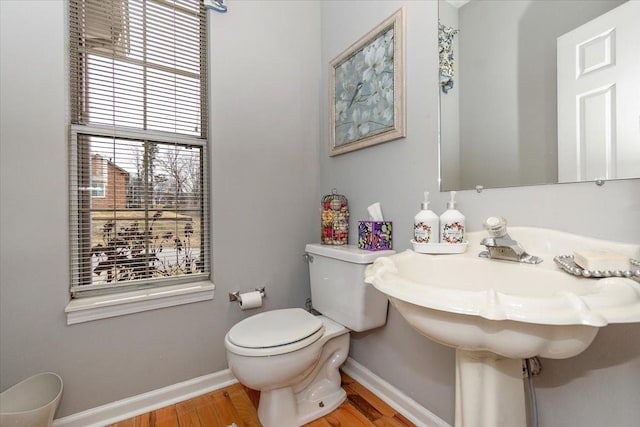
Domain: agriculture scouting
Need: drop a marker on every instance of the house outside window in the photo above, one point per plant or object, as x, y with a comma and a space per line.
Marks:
138, 146
109, 184
99, 176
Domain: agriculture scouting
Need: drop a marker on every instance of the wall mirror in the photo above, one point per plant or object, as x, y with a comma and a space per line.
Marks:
538, 92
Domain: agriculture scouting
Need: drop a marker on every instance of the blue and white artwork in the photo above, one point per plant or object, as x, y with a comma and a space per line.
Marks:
364, 90
447, 64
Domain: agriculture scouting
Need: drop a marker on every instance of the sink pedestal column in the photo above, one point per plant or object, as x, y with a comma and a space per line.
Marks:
489, 390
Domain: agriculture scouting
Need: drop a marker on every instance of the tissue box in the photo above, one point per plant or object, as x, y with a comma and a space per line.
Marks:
374, 235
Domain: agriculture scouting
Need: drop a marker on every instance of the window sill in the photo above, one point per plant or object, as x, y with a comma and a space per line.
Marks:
102, 307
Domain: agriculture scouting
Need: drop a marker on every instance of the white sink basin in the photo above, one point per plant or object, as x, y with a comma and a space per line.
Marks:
512, 309
495, 313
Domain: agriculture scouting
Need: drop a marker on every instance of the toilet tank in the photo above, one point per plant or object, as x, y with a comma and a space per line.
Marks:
338, 290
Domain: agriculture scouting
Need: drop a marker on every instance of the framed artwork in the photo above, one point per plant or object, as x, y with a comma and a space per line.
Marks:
445, 49
367, 89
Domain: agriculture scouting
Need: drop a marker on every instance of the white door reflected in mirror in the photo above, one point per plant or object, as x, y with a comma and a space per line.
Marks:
599, 98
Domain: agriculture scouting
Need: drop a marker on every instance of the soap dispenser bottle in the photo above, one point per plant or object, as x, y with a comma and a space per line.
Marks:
452, 223
426, 224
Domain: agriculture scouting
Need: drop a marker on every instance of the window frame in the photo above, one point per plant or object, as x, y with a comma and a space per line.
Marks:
91, 302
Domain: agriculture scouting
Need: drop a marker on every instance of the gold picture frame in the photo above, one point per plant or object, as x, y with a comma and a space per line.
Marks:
367, 89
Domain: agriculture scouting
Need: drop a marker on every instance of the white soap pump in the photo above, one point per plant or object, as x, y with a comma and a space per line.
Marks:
426, 224
452, 223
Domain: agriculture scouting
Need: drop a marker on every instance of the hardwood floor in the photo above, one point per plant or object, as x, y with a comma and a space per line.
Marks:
237, 404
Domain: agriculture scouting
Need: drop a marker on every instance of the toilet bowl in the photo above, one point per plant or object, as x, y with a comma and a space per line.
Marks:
298, 373
32, 402
292, 356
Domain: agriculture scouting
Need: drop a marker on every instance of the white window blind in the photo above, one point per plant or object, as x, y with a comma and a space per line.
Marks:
138, 172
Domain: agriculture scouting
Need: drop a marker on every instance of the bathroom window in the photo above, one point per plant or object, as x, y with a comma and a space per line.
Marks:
139, 209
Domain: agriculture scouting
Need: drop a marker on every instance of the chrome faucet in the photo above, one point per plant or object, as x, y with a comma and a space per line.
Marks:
501, 246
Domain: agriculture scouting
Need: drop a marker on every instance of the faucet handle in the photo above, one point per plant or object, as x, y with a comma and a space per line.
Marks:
496, 226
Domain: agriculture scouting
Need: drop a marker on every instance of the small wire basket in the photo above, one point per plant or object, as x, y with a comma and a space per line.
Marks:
335, 219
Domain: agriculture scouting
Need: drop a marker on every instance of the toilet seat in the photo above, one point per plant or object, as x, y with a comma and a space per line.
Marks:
274, 332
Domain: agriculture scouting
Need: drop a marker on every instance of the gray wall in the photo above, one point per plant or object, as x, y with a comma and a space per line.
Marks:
270, 167
264, 130
570, 392
507, 80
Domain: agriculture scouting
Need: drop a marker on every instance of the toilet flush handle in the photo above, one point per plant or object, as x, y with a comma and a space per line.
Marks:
308, 257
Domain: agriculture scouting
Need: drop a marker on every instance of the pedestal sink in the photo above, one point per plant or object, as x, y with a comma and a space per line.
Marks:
496, 313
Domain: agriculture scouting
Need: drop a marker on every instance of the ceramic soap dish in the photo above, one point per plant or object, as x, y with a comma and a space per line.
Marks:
439, 248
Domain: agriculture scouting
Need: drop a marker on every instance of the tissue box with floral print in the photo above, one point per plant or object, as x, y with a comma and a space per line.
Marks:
374, 235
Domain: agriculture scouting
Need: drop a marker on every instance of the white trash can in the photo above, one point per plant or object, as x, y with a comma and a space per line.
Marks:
32, 402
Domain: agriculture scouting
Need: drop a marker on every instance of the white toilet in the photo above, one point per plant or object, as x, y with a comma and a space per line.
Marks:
292, 356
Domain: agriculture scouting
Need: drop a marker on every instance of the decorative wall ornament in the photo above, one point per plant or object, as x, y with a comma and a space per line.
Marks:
217, 5
367, 91
445, 44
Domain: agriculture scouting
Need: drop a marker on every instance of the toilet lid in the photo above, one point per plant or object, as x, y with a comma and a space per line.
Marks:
274, 328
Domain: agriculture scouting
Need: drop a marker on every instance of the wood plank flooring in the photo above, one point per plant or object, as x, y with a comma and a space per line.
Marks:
237, 404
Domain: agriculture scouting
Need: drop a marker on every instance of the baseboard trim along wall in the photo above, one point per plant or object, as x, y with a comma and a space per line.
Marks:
156, 399
416, 413
147, 402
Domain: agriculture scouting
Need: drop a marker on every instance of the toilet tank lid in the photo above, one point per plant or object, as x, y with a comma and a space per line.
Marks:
274, 328
349, 253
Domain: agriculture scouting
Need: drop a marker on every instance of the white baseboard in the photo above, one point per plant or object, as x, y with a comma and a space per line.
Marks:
412, 410
156, 399
147, 402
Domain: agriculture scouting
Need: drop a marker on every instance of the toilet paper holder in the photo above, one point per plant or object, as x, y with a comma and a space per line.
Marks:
235, 295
